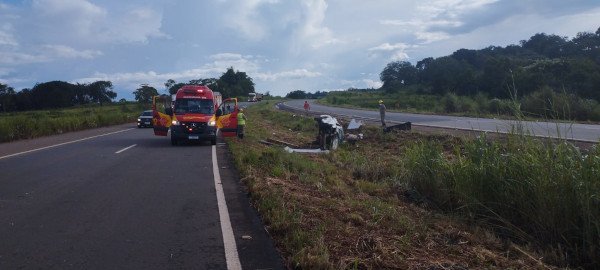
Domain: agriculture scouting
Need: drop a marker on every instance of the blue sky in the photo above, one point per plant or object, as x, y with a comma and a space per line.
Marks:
284, 45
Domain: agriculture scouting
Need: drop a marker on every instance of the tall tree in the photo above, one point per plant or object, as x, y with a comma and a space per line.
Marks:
398, 73
24, 100
7, 98
170, 83
234, 83
296, 94
101, 92
54, 94
145, 93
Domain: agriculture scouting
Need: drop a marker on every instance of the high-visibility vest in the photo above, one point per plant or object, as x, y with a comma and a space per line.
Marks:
241, 119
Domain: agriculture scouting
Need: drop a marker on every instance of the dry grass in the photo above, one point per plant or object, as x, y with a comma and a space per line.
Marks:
346, 211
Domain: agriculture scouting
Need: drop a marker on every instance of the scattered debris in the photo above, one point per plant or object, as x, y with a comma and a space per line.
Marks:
403, 126
273, 141
354, 124
246, 237
265, 142
354, 138
331, 133
306, 151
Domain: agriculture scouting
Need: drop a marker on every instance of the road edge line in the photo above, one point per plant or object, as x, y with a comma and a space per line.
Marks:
231, 253
61, 144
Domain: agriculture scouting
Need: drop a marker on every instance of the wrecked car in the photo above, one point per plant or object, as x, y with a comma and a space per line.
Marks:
331, 133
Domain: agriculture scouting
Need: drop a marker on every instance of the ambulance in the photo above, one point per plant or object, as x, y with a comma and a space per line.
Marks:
196, 114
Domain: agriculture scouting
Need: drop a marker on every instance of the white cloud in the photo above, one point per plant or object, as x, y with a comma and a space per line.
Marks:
45, 53
244, 16
438, 14
372, 83
398, 50
429, 37
400, 56
138, 25
83, 21
79, 17
18, 58
62, 51
363, 83
290, 74
222, 61
391, 47
6, 36
313, 30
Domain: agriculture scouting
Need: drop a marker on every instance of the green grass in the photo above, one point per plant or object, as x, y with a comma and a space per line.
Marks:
544, 104
544, 193
347, 209
32, 124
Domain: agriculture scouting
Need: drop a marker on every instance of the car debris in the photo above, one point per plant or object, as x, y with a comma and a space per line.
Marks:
403, 126
331, 133
280, 142
306, 151
354, 124
354, 137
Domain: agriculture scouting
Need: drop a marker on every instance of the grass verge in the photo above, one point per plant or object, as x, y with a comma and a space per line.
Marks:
415, 201
32, 124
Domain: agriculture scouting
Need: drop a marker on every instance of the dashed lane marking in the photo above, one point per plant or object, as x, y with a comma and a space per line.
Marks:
125, 149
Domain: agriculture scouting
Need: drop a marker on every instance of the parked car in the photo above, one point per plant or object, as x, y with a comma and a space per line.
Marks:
145, 119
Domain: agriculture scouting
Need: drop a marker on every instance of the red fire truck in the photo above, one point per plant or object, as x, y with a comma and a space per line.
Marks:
197, 113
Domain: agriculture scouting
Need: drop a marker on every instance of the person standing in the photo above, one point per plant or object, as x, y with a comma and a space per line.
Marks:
382, 112
241, 119
306, 106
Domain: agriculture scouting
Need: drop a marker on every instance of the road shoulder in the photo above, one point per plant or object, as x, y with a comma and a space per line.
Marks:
255, 246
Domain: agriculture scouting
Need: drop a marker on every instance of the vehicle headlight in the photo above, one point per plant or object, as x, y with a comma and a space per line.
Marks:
139, 120
212, 123
175, 123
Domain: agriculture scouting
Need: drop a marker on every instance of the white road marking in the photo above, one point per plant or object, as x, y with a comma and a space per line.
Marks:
125, 149
231, 253
65, 143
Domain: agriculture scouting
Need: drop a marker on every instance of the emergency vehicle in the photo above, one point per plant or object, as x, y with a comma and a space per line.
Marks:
197, 113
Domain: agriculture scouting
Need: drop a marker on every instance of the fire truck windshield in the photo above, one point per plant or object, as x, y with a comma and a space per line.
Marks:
185, 105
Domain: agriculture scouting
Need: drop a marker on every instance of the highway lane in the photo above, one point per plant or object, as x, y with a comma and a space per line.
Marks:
582, 132
151, 206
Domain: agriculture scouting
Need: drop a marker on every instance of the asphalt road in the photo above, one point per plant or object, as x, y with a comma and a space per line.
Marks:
582, 132
96, 204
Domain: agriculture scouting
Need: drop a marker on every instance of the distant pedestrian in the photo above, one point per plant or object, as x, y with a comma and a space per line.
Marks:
382, 112
306, 106
241, 118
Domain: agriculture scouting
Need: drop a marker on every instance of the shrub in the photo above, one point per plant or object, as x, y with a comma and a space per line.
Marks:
450, 102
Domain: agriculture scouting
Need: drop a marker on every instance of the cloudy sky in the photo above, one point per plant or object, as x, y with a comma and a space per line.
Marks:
283, 45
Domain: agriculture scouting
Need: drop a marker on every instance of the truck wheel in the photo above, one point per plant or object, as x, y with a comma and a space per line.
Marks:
213, 141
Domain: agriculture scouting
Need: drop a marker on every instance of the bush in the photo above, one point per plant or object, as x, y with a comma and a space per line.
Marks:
27, 125
545, 193
450, 102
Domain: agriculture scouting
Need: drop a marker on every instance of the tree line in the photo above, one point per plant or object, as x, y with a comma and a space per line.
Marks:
60, 94
55, 94
301, 94
232, 83
540, 64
